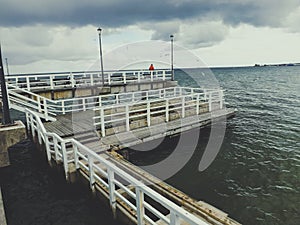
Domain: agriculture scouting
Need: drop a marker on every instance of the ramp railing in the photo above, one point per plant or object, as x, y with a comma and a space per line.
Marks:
48, 109
148, 205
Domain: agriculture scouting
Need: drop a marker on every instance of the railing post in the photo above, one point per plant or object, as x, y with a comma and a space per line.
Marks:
102, 122
111, 187
72, 80
32, 125
27, 121
124, 77
47, 147
45, 109
38, 98
100, 101
91, 172
174, 220
164, 75
51, 82
109, 78
75, 156
127, 118
197, 104
83, 105
140, 205
92, 79
55, 143
174, 91
117, 99
209, 102
167, 110
63, 107
28, 83
183, 107
65, 158
151, 75
148, 114
39, 134
139, 77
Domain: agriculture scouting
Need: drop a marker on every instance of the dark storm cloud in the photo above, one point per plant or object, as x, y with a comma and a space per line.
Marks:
116, 13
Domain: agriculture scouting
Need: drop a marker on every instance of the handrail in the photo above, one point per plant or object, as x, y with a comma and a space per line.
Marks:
77, 79
84, 157
50, 108
123, 114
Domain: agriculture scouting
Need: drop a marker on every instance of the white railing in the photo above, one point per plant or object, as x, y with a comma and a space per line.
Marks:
101, 171
175, 104
48, 109
77, 79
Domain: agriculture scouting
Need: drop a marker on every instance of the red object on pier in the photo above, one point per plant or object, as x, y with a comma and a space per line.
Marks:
151, 67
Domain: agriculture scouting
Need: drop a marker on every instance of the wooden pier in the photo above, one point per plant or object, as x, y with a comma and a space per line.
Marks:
84, 134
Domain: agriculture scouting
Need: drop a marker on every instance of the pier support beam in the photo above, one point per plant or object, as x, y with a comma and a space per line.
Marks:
9, 136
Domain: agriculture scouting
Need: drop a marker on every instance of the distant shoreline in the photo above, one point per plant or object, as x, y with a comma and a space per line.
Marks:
280, 64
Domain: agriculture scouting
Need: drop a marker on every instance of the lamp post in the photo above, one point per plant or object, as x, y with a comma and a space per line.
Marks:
101, 58
6, 116
7, 70
172, 55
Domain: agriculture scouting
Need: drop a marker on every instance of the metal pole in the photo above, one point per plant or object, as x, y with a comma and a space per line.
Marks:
7, 70
101, 58
172, 55
6, 116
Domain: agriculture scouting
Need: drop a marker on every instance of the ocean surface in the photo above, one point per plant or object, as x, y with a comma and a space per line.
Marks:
255, 177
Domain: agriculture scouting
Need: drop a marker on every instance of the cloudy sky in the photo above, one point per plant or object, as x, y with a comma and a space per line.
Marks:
43, 36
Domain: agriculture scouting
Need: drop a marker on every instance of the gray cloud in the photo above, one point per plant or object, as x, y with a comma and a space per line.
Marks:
117, 13
36, 30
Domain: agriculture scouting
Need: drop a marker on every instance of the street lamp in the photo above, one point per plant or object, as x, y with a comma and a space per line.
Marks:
7, 70
6, 116
101, 58
172, 55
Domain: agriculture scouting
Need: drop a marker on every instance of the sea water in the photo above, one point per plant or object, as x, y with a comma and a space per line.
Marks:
256, 175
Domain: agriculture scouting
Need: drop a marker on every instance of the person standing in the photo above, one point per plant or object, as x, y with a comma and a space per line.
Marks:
151, 67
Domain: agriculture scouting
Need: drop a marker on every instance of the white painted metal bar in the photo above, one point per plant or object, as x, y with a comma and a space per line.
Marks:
102, 122
91, 171
65, 158
140, 205
81, 151
174, 220
111, 188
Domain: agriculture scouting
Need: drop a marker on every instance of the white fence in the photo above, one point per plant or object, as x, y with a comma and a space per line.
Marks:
48, 109
169, 104
77, 79
142, 199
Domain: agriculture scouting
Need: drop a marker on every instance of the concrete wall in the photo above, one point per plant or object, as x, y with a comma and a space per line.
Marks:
98, 90
10, 135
